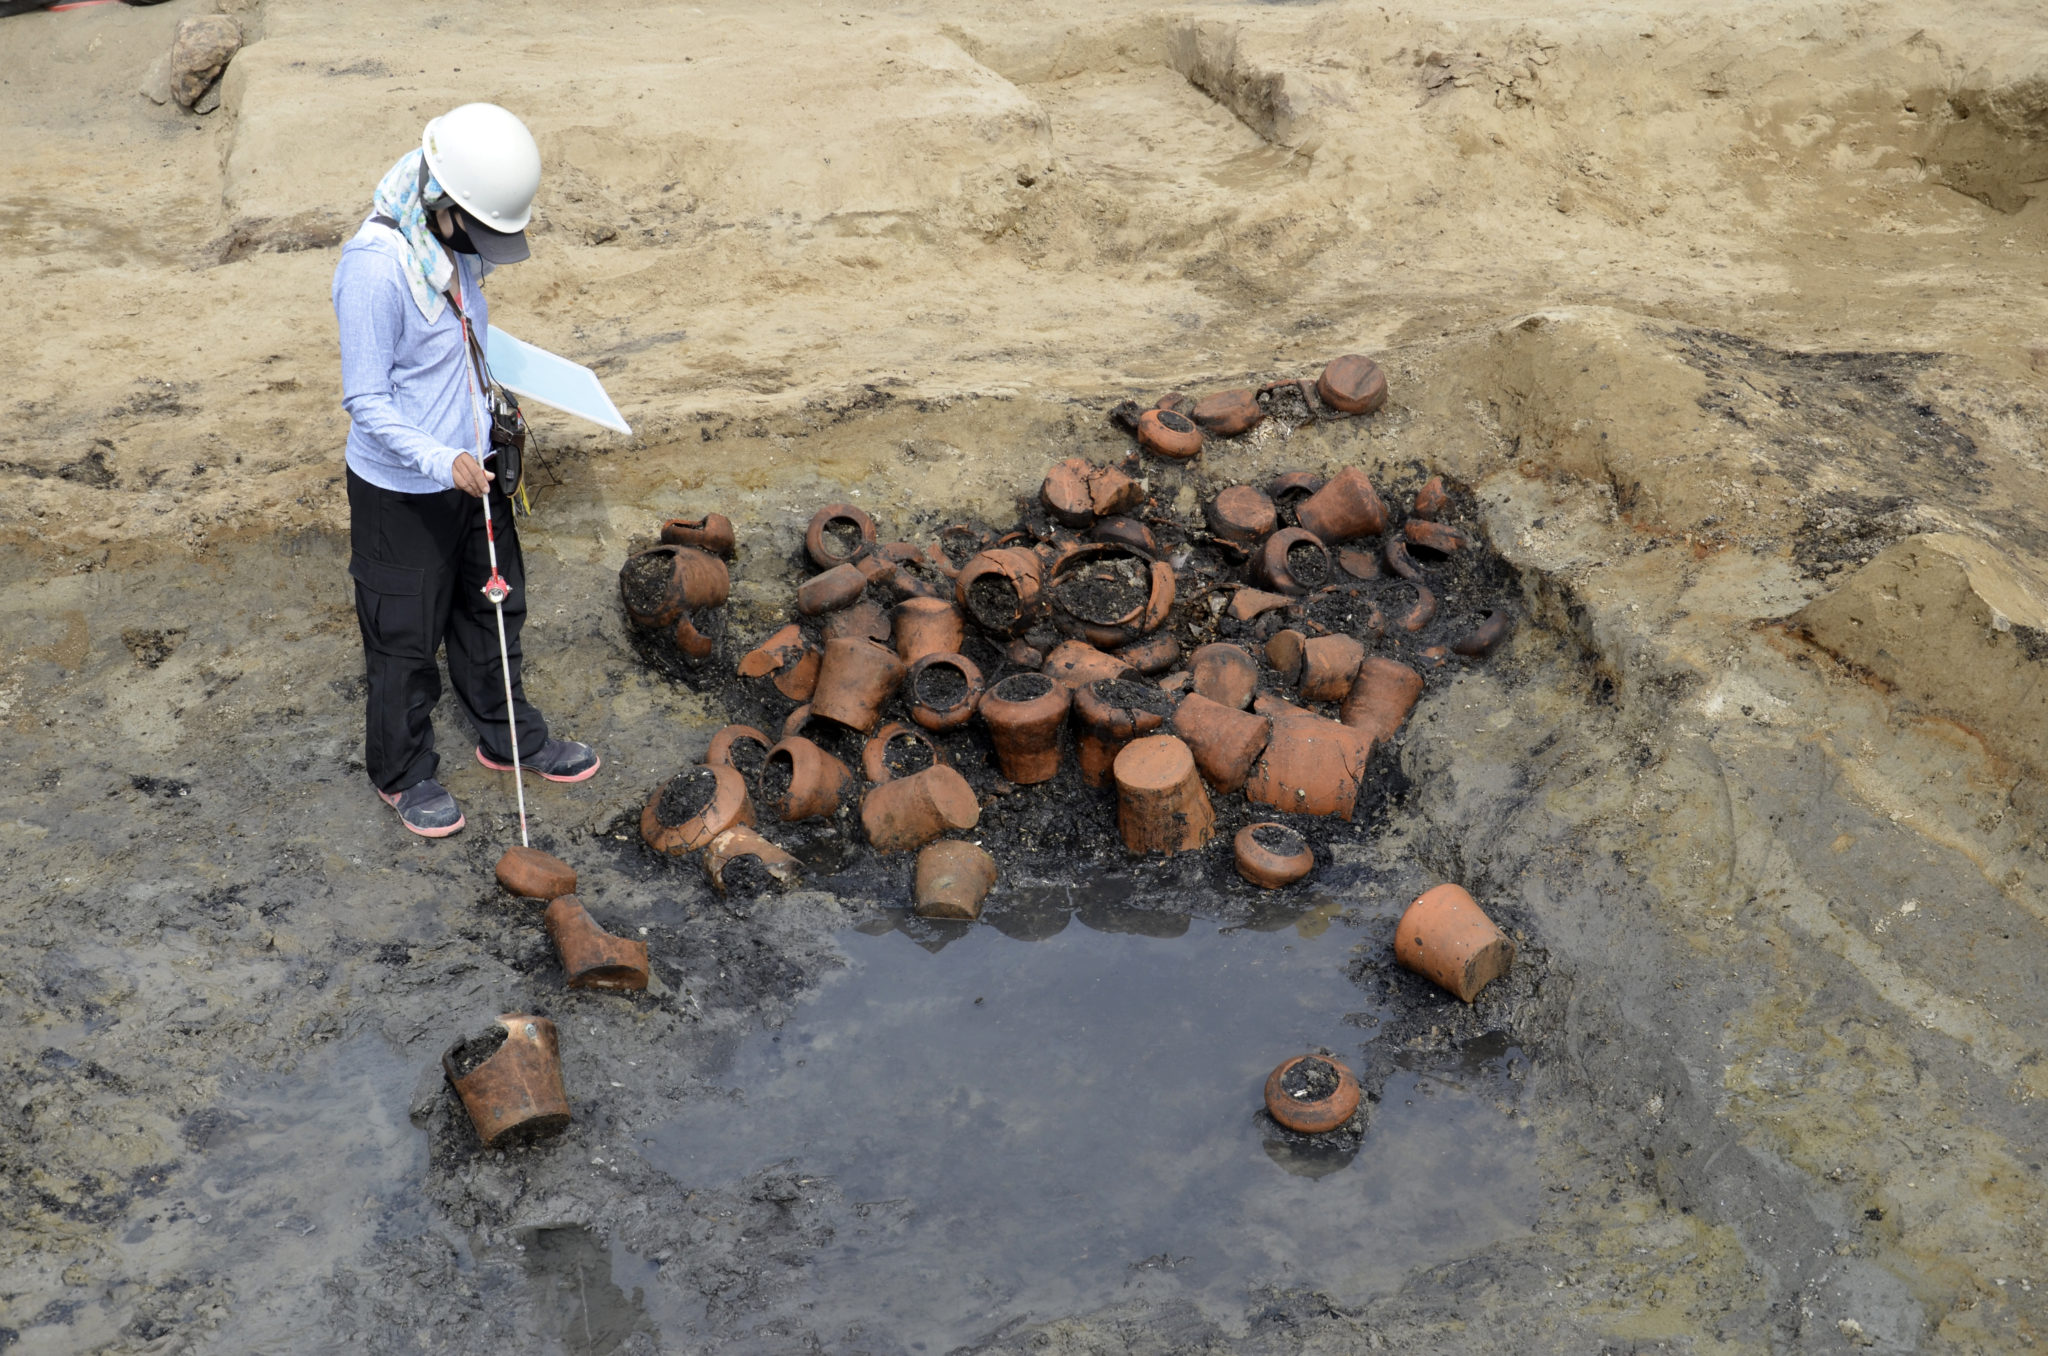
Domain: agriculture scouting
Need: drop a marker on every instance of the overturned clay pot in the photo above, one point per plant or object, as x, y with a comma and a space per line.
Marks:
1292, 561
515, 1091
944, 690
1354, 384
1110, 714
1431, 500
713, 532
1441, 537
898, 750
1224, 740
741, 859
838, 534
591, 957
904, 814
952, 879
787, 660
1077, 492
660, 584
1311, 766
533, 874
925, 626
1024, 713
857, 676
1381, 696
1228, 413
1347, 507
1271, 855
837, 587
1283, 653
1151, 654
1328, 666
1167, 434
1161, 804
1001, 589
813, 782
1242, 515
1447, 938
1225, 673
1311, 1094
1076, 663
685, 813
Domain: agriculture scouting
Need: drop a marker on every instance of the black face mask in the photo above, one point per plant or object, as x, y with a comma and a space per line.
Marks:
455, 237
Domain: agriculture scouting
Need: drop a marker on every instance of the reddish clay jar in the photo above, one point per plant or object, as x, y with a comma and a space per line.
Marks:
532, 874
952, 879
695, 580
857, 676
1484, 638
1328, 666
1430, 536
818, 782
1164, 433
1228, 413
1247, 603
591, 957
739, 846
874, 756
1353, 384
1065, 493
839, 534
720, 754
928, 626
1126, 532
830, 591
1447, 938
1381, 697
713, 532
1161, 805
729, 805
785, 659
1242, 515
1024, 713
1151, 654
1109, 715
1292, 561
1431, 500
904, 814
1001, 589
936, 702
1225, 673
1271, 855
517, 1092
1273, 708
1347, 507
1283, 652
1311, 766
1312, 1114
1224, 740
1076, 663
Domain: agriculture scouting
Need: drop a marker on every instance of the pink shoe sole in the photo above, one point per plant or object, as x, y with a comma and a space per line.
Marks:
456, 827
582, 776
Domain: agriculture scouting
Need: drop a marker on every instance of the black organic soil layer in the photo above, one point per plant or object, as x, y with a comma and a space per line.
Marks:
748, 758
1278, 838
1023, 687
645, 579
1105, 592
746, 877
1127, 695
777, 773
941, 687
686, 795
907, 754
1309, 564
1310, 1080
472, 1052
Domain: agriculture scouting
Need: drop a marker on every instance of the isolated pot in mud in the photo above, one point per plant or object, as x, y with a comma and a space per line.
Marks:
510, 1080
1001, 589
1242, 515
898, 750
856, 677
1272, 855
1292, 561
905, 814
828, 592
799, 781
1110, 714
944, 690
693, 807
838, 534
1354, 384
1381, 696
1346, 507
591, 957
925, 626
1311, 1094
1447, 938
1228, 413
741, 860
787, 660
1161, 804
713, 532
1167, 434
1225, 741
1024, 713
659, 584
1311, 766
532, 874
1225, 673
952, 880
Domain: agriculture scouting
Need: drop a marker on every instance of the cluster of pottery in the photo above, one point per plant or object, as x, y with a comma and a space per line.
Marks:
1177, 426
675, 593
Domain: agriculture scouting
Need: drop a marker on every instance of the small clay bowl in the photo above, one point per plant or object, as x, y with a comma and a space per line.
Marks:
1164, 433
925, 709
1313, 1115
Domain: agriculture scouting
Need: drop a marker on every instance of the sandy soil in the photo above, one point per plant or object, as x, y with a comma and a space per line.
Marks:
1732, 319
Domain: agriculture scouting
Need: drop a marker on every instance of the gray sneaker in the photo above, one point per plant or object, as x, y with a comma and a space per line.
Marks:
426, 808
559, 760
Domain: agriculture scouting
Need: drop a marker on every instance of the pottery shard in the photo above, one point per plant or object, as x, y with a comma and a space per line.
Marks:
533, 874
200, 53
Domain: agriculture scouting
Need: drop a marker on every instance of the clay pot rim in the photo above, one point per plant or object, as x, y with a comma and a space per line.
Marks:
1256, 861
1345, 1097
874, 754
814, 534
951, 659
994, 693
717, 755
695, 832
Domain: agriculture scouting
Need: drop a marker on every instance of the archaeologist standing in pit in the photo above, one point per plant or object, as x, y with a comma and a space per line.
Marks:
422, 471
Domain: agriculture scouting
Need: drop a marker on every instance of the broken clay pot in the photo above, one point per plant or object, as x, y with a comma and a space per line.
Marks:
720, 754
839, 534
728, 805
1161, 804
1225, 673
787, 660
939, 701
928, 626
1001, 589
1076, 663
952, 879
1484, 638
1354, 384
1271, 855
1420, 615
1225, 740
1127, 532
1441, 537
693, 580
713, 532
1311, 766
864, 619
1447, 938
818, 782
1328, 666
1431, 500
1289, 489
1228, 413
1167, 434
516, 1091
1380, 698
905, 814
1024, 713
591, 957
1242, 515
741, 847
828, 592
533, 874
1347, 507
857, 676
1151, 654
874, 756
1110, 714
1314, 1113
1292, 561
1247, 603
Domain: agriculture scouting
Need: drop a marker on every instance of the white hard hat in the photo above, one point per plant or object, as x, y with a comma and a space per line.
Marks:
485, 159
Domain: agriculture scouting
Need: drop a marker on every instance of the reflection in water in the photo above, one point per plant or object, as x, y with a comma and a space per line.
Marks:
581, 1309
1040, 1119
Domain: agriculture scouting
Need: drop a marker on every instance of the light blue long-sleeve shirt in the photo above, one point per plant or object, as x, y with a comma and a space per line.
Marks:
412, 397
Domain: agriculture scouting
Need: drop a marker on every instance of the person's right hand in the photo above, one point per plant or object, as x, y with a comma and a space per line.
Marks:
471, 477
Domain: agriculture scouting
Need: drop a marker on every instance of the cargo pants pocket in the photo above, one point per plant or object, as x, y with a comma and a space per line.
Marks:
391, 607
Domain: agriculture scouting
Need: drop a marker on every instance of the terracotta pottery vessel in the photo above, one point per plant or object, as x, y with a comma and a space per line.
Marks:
1242, 515
1431, 500
517, 1090
1353, 384
1271, 855
838, 534
1024, 713
738, 848
1110, 714
904, 814
1381, 697
1289, 489
1225, 741
818, 782
1225, 673
1347, 507
1076, 492
1228, 413
928, 626
720, 754
727, 805
795, 721
957, 544
1001, 589
1284, 652
1161, 804
1247, 603
1151, 654
857, 676
1076, 663
864, 620
1125, 532
696, 634
1291, 561
1175, 401
952, 879
1447, 938
874, 755
533, 874
1311, 766
937, 702
1420, 615
1167, 434
713, 532
1328, 666
1273, 707
785, 659
1316, 1111
694, 580
828, 592
1434, 536
1024, 655
1486, 637
591, 957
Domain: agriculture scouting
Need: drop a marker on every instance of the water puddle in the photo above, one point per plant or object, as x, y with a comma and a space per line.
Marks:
1037, 1128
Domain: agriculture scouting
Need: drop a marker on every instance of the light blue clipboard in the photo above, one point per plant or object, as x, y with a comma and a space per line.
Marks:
540, 375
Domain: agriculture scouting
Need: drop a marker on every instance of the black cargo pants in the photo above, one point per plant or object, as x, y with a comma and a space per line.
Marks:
419, 563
